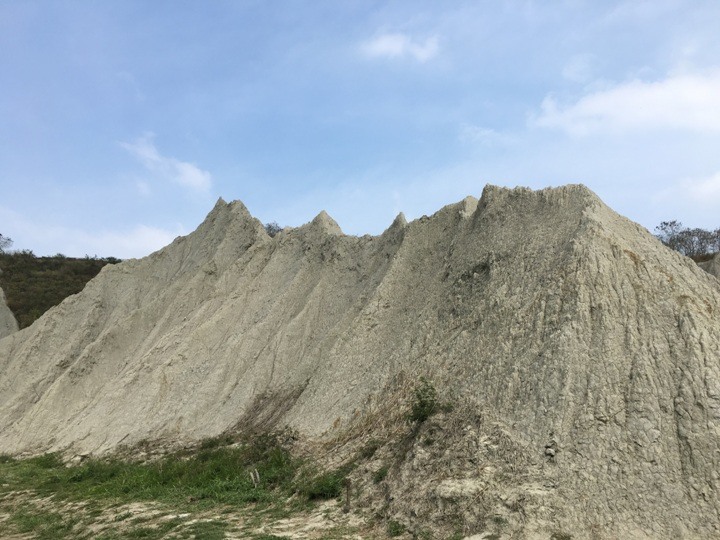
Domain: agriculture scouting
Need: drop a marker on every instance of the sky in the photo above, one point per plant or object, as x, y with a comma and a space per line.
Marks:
123, 121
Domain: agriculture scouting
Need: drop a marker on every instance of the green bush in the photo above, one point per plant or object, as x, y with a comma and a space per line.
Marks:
395, 528
425, 402
327, 485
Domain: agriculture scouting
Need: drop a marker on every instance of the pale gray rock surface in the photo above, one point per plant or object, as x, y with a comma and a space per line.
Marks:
712, 266
583, 355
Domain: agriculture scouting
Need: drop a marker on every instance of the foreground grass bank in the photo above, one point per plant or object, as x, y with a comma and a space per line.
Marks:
221, 489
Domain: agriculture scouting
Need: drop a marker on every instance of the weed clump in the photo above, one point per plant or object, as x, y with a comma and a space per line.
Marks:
425, 402
327, 485
395, 528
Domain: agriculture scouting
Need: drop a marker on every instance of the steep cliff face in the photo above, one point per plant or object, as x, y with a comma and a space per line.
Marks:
583, 355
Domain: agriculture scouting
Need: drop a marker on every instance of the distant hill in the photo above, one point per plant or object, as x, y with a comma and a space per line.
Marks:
34, 284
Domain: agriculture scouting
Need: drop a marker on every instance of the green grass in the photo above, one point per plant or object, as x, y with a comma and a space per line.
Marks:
207, 530
44, 524
215, 476
45, 498
395, 528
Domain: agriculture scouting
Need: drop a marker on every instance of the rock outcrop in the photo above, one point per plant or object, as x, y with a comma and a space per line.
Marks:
712, 266
583, 358
8, 324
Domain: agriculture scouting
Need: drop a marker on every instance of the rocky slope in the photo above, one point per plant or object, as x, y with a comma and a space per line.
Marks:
582, 357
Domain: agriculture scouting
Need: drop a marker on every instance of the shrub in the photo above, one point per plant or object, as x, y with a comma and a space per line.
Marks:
395, 528
425, 402
272, 228
327, 485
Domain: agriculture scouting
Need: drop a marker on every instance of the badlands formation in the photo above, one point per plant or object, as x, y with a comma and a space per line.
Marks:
579, 360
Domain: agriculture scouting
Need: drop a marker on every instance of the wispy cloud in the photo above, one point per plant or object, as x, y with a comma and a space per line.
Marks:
181, 172
702, 191
398, 45
483, 136
682, 102
123, 242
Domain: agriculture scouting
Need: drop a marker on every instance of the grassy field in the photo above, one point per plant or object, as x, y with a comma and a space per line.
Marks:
206, 493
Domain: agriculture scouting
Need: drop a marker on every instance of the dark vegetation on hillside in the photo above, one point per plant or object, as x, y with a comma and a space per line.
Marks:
272, 228
34, 284
698, 244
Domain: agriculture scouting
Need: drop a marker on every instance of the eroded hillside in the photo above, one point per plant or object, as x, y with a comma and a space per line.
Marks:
580, 356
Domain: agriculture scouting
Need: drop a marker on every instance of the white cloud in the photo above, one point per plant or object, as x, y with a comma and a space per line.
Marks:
181, 172
399, 45
681, 102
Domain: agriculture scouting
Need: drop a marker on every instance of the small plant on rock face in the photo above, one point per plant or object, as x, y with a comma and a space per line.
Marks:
425, 402
380, 474
395, 529
368, 451
272, 228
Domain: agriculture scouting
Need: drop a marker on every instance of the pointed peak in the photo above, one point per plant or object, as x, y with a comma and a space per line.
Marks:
325, 222
239, 209
233, 210
396, 231
220, 208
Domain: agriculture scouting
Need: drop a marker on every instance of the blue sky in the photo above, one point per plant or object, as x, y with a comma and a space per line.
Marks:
122, 122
